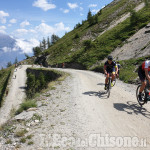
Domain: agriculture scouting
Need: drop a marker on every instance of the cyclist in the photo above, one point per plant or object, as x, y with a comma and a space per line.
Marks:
119, 66
143, 75
110, 68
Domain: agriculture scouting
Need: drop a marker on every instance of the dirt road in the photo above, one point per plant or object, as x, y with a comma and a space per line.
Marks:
78, 115
16, 93
118, 116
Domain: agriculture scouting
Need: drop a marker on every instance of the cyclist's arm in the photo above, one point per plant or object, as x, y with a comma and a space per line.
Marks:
116, 68
105, 72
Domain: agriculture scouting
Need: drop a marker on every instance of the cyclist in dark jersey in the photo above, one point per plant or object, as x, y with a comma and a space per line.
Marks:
143, 73
110, 68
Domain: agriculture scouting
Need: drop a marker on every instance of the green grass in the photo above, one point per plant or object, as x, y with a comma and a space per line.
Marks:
5, 75
21, 133
70, 49
26, 105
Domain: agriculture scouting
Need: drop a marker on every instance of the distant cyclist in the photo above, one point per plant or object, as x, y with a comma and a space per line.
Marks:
110, 68
119, 66
143, 73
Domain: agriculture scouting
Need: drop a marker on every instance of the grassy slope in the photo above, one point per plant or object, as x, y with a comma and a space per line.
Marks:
102, 45
70, 49
113, 38
4, 78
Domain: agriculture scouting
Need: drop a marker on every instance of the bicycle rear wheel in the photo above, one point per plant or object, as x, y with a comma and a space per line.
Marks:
141, 102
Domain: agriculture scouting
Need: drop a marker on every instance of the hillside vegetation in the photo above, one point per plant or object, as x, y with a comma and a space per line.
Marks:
83, 45
4, 78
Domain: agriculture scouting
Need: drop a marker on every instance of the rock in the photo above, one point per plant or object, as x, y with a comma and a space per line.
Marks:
148, 31
32, 109
36, 121
14, 144
25, 115
28, 129
28, 124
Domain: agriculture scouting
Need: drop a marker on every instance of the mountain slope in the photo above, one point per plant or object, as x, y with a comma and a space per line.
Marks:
85, 44
136, 46
8, 50
6, 41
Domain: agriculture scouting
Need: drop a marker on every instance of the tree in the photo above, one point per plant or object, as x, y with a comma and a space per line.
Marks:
48, 42
54, 38
78, 25
95, 19
26, 55
100, 12
9, 64
89, 15
16, 61
76, 35
90, 18
43, 44
37, 51
134, 17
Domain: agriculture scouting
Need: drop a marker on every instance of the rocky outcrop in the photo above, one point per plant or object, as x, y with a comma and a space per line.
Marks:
41, 60
136, 46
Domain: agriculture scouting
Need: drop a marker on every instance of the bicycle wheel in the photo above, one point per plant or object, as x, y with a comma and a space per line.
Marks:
141, 102
108, 87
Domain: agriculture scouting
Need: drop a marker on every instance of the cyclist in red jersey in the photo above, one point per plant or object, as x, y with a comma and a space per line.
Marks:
143, 73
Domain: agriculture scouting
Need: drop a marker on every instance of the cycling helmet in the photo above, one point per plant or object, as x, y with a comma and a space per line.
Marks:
110, 58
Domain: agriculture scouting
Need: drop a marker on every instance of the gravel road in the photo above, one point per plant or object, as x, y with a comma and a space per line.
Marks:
16, 93
79, 111
78, 115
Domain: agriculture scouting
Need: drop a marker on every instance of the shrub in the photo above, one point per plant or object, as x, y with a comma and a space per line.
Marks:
87, 44
26, 105
76, 35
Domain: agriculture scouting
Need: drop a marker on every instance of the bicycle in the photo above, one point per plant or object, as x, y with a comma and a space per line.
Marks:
145, 94
108, 86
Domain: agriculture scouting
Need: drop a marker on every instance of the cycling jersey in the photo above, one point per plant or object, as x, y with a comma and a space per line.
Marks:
119, 66
110, 67
146, 65
141, 71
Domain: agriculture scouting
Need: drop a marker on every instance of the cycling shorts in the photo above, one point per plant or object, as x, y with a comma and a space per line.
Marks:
112, 70
141, 74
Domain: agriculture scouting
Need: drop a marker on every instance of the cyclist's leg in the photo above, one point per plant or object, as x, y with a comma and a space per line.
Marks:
113, 74
106, 79
142, 86
142, 77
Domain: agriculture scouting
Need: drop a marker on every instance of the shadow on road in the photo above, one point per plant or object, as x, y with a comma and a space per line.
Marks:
101, 84
23, 87
100, 94
132, 108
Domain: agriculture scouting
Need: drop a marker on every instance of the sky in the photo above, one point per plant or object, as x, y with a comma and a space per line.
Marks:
33, 20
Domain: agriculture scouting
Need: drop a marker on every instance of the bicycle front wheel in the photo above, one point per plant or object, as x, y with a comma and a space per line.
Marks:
108, 88
141, 102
